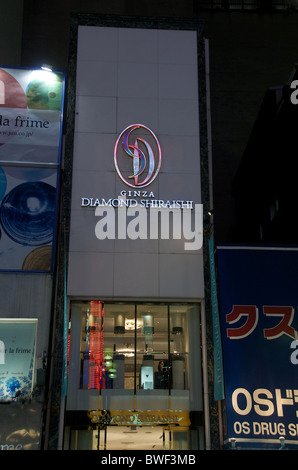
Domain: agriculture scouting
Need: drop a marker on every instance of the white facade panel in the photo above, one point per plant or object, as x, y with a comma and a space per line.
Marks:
131, 76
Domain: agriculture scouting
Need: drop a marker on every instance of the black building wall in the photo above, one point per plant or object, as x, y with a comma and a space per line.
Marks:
265, 185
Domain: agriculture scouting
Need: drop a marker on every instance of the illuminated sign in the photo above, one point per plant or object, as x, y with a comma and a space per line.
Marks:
140, 144
137, 159
129, 418
17, 353
143, 158
123, 201
31, 101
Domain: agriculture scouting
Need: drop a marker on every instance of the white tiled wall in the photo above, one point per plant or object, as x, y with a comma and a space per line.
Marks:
127, 76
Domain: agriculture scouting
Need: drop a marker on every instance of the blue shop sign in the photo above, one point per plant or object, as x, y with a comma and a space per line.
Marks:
258, 301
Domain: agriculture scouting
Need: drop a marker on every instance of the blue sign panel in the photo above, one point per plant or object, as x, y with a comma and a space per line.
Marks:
258, 299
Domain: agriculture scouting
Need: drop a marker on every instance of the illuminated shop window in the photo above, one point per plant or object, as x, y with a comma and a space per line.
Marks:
134, 346
17, 359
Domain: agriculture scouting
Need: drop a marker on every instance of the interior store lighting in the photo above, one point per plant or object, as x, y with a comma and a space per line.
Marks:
130, 324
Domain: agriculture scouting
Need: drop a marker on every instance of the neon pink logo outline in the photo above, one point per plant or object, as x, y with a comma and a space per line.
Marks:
141, 160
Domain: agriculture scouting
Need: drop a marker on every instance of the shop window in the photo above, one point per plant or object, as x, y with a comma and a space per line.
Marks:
17, 360
135, 346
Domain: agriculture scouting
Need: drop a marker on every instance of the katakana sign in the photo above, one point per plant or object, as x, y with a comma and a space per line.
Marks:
258, 300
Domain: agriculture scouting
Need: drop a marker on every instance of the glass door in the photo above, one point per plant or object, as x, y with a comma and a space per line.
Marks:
132, 438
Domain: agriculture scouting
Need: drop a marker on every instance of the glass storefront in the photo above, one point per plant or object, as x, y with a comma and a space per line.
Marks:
141, 362
133, 438
132, 347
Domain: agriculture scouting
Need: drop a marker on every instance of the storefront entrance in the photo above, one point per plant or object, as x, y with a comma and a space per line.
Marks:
132, 438
135, 378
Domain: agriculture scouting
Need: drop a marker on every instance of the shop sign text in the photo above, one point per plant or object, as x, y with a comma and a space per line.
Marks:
264, 404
